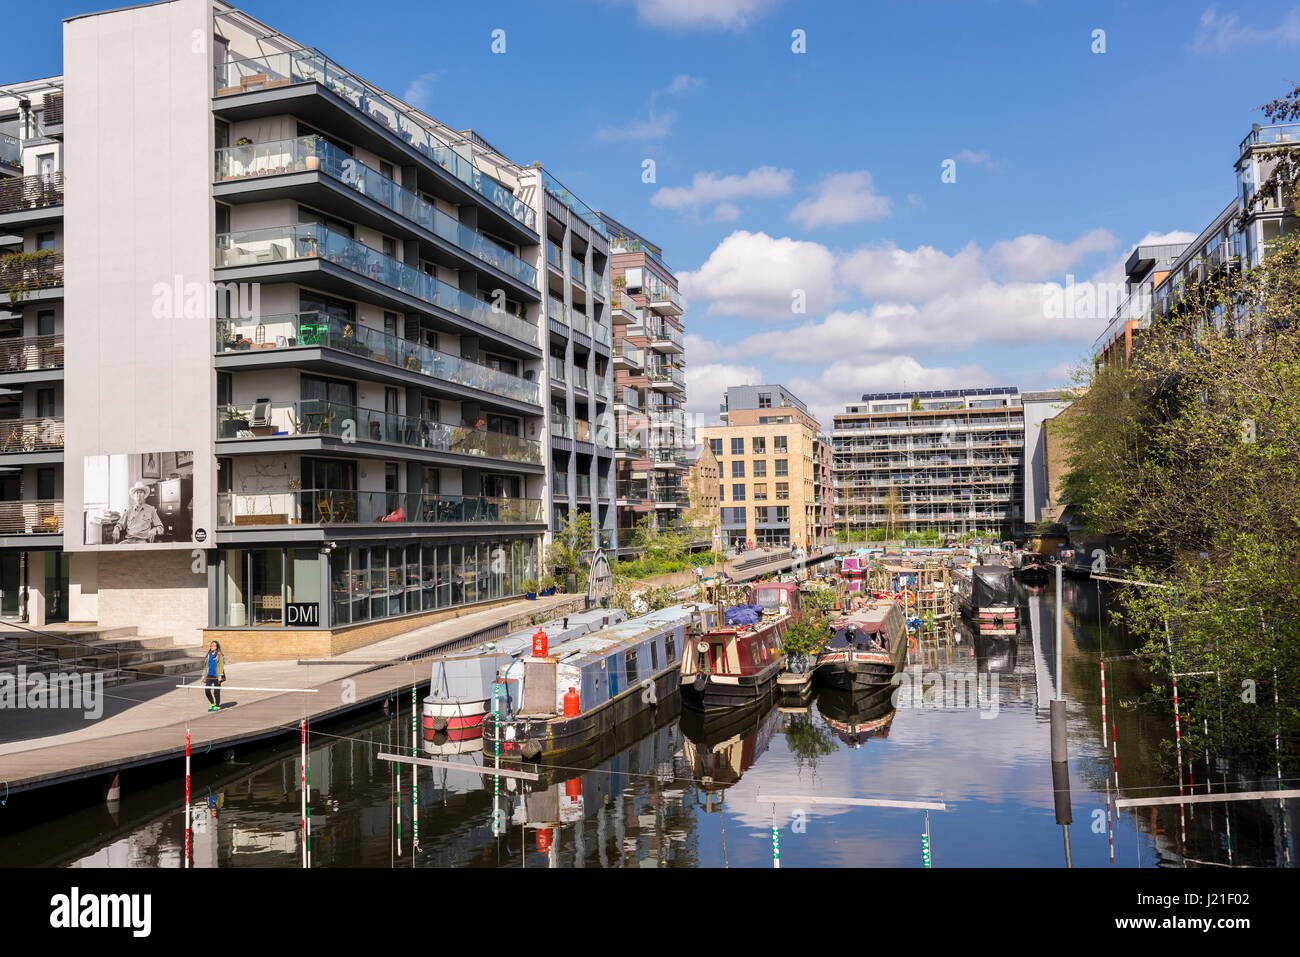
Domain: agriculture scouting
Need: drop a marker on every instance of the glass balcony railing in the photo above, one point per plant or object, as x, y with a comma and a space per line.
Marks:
634, 491
31, 517
28, 353
560, 485
668, 375
557, 369
602, 387
603, 487
557, 311
310, 329
554, 256
582, 430
318, 417
577, 206
11, 153
580, 322
600, 284
634, 355
310, 153
313, 241
672, 494
1281, 133
675, 456
349, 507
630, 398
662, 292
662, 332
577, 271
584, 486
312, 66
601, 333
623, 244
580, 378
561, 427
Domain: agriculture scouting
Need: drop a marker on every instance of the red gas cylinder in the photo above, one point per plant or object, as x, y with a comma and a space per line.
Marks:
539, 644
543, 839
573, 788
572, 705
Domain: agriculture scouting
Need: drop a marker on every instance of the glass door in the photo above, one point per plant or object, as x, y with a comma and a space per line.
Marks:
56, 586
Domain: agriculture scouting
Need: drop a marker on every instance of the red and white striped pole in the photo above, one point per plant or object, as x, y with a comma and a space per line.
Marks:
187, 797
303, 771
1114, 750
1178, 742
1103, 703
1110, 830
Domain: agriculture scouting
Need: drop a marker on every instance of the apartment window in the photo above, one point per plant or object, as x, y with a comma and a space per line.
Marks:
782, 466
716, 446
45, 322
778, 444
760, 491
760, 445
385, 169
44, 403
45, 484
738, 468
783, 514
306, 215
782, 490
44, 241
225, 388
738, 492
760, 468
738, 446
765, 400
223, 218
389, 246
722, 493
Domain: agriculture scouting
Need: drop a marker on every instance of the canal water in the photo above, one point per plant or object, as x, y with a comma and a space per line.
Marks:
968, 730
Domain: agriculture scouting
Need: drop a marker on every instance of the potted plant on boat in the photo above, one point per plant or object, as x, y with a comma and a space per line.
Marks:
530, 589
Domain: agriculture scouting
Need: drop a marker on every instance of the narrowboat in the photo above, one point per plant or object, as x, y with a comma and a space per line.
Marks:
858, 717
563, 702
720, 753
987, 595
867, 647
735, 663
460, 685
1032, 568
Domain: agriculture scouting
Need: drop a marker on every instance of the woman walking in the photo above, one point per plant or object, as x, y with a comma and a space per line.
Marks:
215, 675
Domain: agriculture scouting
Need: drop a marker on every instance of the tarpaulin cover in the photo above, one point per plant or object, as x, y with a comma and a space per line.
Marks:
992, 586
743, 614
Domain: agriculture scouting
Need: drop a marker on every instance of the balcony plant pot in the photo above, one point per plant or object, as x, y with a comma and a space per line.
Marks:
313, 162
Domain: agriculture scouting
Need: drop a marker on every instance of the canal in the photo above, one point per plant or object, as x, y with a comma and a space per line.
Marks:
966, 731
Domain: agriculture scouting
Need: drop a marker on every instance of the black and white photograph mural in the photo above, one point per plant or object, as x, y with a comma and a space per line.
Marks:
142, 498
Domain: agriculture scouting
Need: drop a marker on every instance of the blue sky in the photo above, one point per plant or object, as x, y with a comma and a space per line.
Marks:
778, 171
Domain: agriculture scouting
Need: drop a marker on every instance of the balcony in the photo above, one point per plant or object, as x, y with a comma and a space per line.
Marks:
624, 312
664, 298
31, 517
314, 330
582, 430
31, 435
312, 66
313, 154
577, 271
1136, 307
559, 485
557, 369
580, 209
580, 322
349, 507
634, 491
669, 458
583, 486
312, 241
602, 387
22, 273
316, 417
31, 353
666, 377
11, 154
671, 496
664, 338
668, 418
555, 258
630, 398
1280, 133
601, 334
580, 378
628, 356
26, 193
557, 310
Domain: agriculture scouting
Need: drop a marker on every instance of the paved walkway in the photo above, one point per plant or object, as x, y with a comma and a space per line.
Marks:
145, 721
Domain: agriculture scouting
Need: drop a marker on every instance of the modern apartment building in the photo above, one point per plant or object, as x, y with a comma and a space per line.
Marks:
1040, 408
327, 359
1158, 275
948, 461
649, 384
824, 488
767, 467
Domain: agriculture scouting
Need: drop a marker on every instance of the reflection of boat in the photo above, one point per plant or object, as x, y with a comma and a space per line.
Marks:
856, 717
1032, 568
460, 689
736, 664
560, 703
987, 594
866, 649
994, 652
720, 751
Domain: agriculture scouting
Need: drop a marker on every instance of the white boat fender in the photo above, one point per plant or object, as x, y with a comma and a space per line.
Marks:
701, 682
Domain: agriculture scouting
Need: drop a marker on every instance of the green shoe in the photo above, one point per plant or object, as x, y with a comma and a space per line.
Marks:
215, 707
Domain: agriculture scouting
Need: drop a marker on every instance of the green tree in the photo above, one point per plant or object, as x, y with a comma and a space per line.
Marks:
570, 545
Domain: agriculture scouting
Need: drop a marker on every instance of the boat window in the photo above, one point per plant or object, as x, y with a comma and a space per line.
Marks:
631, 667
670, 647
654, 656
768, 598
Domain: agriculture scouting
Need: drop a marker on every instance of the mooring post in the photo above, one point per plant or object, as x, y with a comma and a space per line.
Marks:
1057, 705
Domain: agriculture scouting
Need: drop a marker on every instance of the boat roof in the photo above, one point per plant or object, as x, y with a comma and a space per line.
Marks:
602, 642
869, 618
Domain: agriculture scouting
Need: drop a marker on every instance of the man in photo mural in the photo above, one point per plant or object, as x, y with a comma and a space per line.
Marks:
140, 521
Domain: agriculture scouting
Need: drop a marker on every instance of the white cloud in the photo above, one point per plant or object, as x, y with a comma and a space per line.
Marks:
1220, 33
709, 188
842, 198
699, 349
706, 384
1032, 256
889, 273
652, 128
684, 82
980, 158
419, 90
754, 274
725, 213
845, 382
708, 14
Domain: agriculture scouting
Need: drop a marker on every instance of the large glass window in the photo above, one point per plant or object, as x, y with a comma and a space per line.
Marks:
266, 586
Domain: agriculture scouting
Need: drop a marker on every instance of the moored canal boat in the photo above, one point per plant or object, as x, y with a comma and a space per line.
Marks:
560, 703
987, 595
460, 685
736, 663
866, 649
